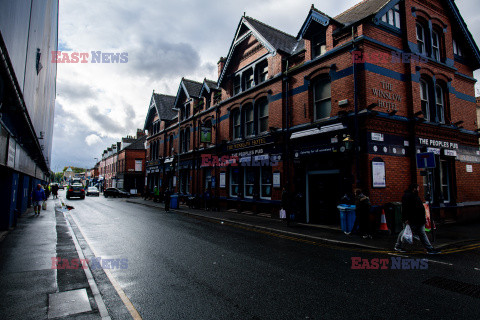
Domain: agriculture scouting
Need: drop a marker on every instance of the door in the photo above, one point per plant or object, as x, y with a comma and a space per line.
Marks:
322, 195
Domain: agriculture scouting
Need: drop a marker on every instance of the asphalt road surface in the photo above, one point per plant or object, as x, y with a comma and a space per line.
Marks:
179, 267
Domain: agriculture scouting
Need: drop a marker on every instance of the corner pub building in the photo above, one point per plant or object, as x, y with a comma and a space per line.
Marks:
348, 102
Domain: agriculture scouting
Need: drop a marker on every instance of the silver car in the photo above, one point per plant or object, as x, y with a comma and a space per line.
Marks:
93, 191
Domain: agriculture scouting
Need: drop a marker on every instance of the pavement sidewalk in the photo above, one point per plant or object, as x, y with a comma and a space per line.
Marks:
30, 287
447, 236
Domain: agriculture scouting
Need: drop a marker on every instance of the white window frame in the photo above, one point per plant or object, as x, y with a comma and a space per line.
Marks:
435, 45
420, 40
245, 184
237, 124
424, 98
248, 122
392, 17
262, 169
440, 104
262, 103
320, 100
231, 184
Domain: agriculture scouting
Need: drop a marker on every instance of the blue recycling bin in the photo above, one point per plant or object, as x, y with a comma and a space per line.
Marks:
347, 217
174, 201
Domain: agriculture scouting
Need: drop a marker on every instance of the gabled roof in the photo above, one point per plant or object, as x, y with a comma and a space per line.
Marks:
272, 39
317, 16
278, 39
138, 144
466, 33
188, 89
361, 11
207, 86
162, 105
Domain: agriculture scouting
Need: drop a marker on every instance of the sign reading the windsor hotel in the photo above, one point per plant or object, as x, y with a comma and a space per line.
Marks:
387, 98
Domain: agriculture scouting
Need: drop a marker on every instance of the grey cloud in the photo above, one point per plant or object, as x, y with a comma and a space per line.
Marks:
76, 92
158, 59
106, 123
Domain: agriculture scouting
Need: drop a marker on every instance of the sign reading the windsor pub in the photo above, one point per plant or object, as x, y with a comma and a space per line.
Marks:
387, 97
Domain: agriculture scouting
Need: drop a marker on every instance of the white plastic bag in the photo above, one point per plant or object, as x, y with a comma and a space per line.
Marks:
407, 235
283, 214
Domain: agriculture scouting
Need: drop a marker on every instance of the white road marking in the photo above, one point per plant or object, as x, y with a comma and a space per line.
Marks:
126, 301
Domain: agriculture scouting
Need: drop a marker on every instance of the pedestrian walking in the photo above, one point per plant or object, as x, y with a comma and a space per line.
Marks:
286, 206
146, 192
156, 193
55, 191
413, 215
362, 214
37, 198
167, 196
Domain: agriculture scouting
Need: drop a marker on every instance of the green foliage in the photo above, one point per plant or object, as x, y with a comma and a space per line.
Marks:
75, 169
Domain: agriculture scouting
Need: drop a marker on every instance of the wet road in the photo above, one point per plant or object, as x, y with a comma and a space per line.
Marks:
180, 267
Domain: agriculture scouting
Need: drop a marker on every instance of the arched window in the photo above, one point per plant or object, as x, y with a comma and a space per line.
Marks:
322, 103
249, 120
187, 139
170, 145
262, 108
421, 39
440, 104
435, 45
182, 141
424, 97
236, 124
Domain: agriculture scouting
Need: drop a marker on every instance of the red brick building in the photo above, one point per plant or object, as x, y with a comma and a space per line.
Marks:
348, 102
123, 164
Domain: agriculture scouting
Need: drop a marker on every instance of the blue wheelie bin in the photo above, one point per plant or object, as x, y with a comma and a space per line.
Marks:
174, 201
347, 217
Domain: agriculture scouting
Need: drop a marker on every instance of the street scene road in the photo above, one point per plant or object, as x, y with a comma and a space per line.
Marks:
181, 267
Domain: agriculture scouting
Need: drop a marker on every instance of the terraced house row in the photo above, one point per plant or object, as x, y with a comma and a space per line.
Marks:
347, 102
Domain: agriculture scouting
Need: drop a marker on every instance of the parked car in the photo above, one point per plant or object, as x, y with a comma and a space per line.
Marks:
76, 190
93, 191
116, 192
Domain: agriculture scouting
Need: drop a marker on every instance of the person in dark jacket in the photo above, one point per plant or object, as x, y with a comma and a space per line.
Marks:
286, 205
167, 196
362, 214
37, 197
413, 214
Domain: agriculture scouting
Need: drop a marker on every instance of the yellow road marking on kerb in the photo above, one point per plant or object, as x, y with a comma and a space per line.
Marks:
126, 301
325, 245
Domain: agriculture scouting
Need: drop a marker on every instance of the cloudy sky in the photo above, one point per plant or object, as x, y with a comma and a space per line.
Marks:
97, 104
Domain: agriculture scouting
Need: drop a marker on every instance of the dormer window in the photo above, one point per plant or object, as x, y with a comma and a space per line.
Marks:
318, 46
392, 17
262, 71
236, 85
456, 49
248, 79
187, 111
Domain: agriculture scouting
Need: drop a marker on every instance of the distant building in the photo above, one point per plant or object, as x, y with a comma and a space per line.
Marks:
123, 164
68, 174
28, 33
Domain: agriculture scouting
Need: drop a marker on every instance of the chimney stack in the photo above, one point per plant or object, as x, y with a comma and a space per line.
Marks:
221, 64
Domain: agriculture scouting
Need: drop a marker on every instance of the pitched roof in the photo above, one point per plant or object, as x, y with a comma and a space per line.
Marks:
193, 87
211, 84
164, 105
278, 39
361, 11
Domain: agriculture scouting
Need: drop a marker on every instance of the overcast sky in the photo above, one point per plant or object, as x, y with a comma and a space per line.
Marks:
97, 104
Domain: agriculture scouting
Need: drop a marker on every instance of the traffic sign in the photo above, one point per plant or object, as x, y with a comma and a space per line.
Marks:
426, 160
